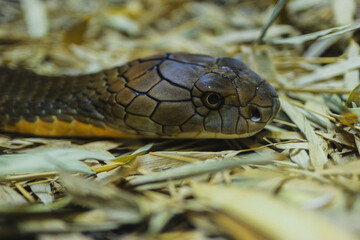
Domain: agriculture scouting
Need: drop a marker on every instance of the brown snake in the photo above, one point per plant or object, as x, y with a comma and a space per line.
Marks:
170, 95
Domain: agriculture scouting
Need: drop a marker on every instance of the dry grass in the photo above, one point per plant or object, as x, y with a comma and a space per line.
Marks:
297, 179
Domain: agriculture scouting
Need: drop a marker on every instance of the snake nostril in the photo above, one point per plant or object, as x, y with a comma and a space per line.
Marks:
255, 114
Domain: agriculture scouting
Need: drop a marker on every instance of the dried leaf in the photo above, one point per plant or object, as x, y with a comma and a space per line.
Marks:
193, 169
49, 159
260, 211
317, 145
331, 32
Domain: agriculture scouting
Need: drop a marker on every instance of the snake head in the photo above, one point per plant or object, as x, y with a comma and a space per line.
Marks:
234, 100
190, 96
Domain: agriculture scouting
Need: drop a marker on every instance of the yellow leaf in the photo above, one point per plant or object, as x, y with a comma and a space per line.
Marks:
75, 34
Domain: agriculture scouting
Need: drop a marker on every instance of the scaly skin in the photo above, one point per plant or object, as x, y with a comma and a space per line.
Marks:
171, 95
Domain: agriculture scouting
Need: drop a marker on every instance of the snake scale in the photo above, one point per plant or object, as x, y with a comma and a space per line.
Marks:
167, 95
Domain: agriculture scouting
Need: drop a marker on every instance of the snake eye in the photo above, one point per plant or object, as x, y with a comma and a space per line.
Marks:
212, 100
255, 115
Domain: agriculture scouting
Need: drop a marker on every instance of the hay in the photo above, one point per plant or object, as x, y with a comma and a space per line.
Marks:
297, 179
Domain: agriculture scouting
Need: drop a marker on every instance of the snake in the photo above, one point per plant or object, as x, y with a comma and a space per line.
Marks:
170, 95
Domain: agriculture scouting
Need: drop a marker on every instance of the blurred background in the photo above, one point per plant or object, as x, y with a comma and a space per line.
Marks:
88, 35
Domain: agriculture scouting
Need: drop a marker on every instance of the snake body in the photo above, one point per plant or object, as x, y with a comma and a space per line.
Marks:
168, 95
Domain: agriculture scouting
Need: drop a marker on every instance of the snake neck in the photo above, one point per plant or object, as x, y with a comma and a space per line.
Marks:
88, 100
